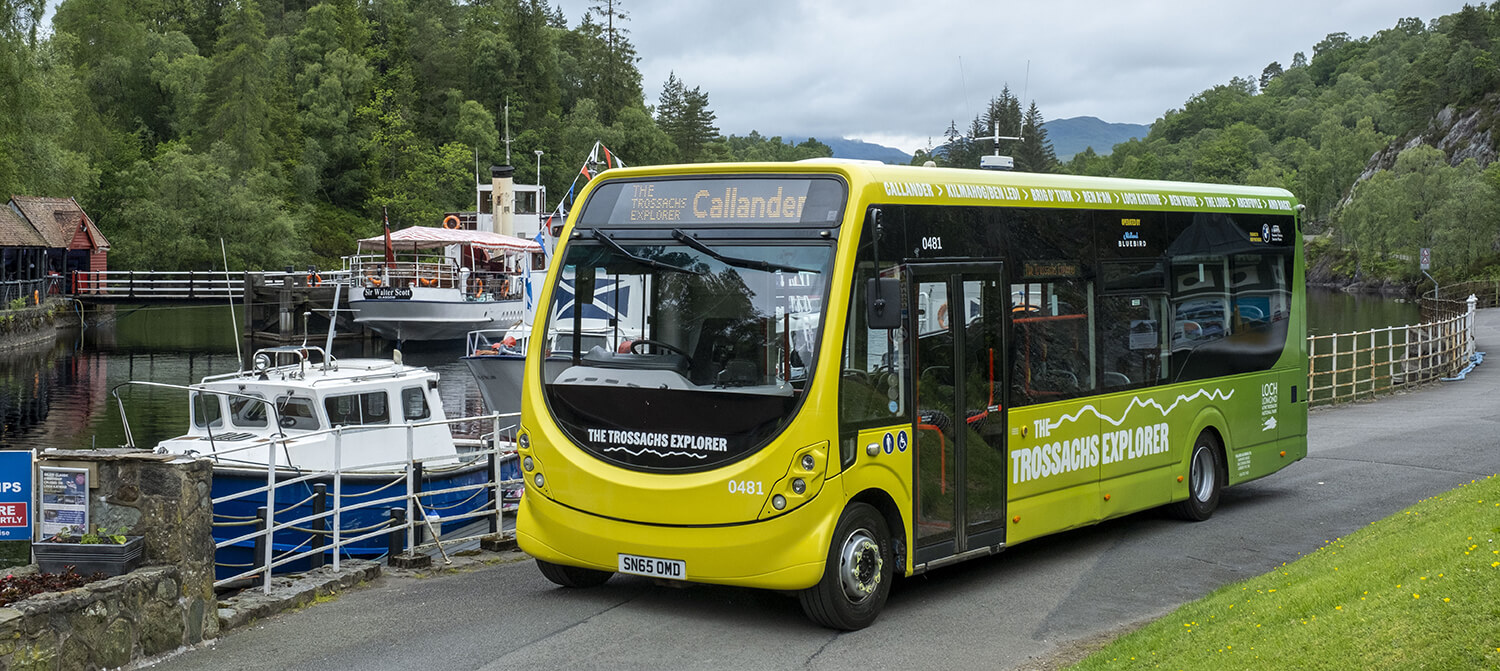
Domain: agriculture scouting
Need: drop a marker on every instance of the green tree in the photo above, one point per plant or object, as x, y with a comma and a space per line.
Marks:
683, 114
1035, 153
238, 112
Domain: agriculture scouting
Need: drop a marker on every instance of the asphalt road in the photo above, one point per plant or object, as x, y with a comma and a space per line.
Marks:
1365, 462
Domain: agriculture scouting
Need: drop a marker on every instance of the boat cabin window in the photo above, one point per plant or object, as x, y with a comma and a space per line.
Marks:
297, 413
414, 404
207, 411
354, 409
246, 412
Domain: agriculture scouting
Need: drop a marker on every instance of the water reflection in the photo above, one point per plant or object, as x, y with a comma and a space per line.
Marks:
56, 394
1331, 311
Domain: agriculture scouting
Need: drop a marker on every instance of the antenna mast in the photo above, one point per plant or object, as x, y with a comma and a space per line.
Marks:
507, 131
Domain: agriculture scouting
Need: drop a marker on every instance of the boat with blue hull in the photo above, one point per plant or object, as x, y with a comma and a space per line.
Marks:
368, 432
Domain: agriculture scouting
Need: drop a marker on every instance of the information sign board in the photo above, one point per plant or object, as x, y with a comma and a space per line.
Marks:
65, 501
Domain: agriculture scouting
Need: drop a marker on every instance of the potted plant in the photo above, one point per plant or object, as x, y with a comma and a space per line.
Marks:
100, 550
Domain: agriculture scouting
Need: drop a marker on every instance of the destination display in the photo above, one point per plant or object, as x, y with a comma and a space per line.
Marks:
717, 201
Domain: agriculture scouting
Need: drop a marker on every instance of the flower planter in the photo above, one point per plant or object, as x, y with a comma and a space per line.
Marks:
106, 558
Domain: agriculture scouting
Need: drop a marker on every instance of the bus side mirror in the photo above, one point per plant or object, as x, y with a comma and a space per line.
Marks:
583, 286
883, 303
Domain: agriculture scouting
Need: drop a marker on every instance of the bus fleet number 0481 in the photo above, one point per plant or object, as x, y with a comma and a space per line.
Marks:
752, 487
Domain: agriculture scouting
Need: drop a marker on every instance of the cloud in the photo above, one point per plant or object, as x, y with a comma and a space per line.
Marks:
899, 69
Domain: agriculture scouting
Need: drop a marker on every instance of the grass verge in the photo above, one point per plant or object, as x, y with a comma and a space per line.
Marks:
1417, 590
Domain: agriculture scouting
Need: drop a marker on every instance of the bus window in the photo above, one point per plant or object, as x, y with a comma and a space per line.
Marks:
1130, 341
870, 389
1054, 340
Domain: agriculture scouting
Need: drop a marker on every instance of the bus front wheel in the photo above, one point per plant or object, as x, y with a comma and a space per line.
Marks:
857, 576
1205, 479
572, 576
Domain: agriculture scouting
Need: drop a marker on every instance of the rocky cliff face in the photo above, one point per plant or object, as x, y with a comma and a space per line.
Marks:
1457, 134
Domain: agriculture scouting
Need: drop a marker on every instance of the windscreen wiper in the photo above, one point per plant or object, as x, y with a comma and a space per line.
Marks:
753, 264
601, 235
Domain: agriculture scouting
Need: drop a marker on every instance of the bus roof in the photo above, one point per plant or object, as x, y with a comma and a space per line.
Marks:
899, 184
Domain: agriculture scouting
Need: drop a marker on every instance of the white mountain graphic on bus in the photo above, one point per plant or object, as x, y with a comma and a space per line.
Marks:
1137, 402
1270, 424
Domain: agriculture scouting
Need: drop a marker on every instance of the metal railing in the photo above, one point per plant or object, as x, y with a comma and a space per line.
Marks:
371, 270
32, 291
1345, 367
397, 508
184, 284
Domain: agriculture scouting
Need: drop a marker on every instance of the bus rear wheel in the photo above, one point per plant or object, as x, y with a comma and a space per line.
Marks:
1205, 480
857, 576
572, 576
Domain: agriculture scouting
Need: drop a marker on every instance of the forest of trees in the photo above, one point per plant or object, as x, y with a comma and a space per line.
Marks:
1314, 125
285, 128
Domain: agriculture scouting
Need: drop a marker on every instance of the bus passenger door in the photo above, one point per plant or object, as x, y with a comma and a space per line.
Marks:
958, 362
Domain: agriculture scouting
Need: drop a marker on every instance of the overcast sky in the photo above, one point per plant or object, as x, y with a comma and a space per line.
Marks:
896, 72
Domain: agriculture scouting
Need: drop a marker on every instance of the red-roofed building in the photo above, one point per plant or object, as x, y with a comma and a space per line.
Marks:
42, 237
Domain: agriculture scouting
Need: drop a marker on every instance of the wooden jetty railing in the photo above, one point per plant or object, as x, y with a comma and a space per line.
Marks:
187, 285
1346, 367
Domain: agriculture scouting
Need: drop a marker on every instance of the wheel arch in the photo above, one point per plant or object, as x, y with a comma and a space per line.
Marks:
895, 523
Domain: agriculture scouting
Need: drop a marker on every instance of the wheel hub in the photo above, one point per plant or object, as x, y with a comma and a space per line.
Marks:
860, 565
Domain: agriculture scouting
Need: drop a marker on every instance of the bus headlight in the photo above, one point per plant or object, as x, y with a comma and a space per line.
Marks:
524, 442
778, 502
808, 463
539, 480
528, 464
799, 486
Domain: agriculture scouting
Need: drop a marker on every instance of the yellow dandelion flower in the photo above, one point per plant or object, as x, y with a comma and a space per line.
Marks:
1416, 596
1338, 607
1445, 599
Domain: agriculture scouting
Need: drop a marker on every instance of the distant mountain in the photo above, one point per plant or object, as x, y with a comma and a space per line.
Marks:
847, 148
1070, 136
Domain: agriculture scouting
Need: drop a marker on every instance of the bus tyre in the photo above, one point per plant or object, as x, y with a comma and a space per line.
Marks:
1205, 479
572, 576
857, 576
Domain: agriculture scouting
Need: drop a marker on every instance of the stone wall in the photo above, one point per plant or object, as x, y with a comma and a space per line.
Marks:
168, 604
102, 625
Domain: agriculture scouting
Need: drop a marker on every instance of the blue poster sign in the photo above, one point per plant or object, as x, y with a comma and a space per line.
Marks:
15, 495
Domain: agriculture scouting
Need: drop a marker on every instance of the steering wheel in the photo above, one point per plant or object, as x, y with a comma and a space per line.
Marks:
664, 345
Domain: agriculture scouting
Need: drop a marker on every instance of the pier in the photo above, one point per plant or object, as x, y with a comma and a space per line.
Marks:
272, 303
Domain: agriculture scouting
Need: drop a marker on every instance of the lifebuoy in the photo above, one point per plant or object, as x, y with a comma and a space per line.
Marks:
478, 290
943, 316
427, 281
374, 281
314, 280
453, 219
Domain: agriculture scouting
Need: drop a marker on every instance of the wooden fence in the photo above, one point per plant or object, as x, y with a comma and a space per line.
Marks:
1347, 367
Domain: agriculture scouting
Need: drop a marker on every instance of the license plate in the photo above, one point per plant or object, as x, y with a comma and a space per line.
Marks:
672, 569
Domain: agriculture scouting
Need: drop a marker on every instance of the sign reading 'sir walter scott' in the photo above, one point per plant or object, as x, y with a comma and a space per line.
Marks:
15, 495
383, 293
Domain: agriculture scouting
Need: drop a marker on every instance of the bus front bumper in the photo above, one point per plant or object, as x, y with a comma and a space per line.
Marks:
785, 552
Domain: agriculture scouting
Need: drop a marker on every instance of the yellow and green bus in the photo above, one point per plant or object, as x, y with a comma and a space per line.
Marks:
822, 375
